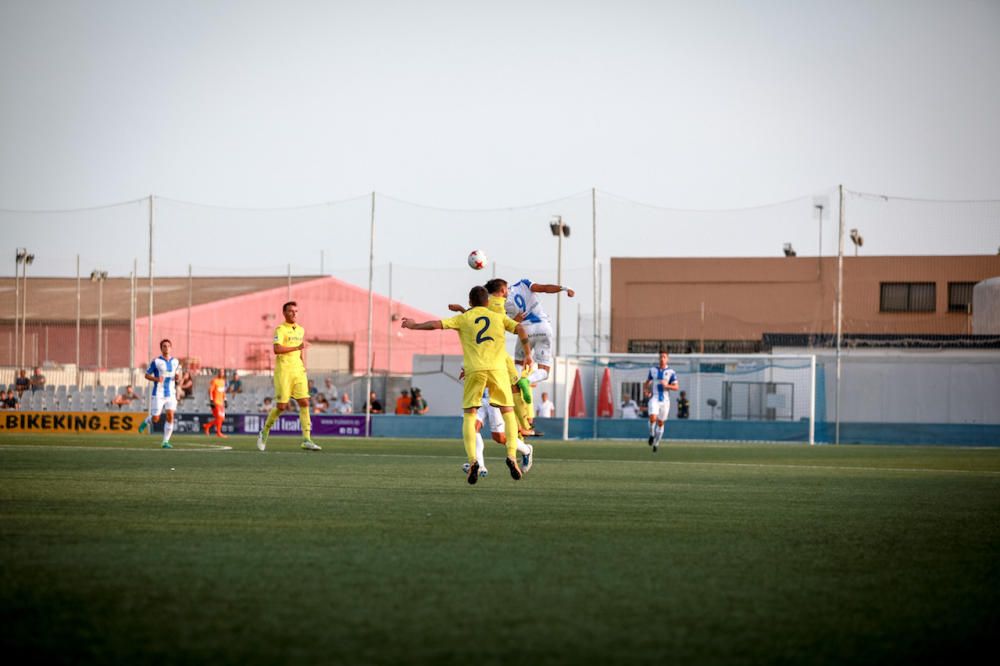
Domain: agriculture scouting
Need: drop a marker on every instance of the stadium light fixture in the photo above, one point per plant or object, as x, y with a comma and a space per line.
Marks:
857, 239
558, 227
789, 250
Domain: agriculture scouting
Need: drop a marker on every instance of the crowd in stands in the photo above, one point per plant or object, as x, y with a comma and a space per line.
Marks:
31, 392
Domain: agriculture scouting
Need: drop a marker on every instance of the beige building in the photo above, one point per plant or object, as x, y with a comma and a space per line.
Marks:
729, 304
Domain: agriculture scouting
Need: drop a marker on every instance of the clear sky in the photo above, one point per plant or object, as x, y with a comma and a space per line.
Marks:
479, 105
467, 104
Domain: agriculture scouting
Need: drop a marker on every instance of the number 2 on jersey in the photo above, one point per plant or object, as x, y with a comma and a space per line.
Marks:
480, 338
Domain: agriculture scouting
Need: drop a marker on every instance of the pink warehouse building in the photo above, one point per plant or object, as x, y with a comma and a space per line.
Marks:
229, 323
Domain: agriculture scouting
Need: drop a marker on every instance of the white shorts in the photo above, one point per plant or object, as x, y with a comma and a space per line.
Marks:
540, 336
158, 404
659, 409
495, 417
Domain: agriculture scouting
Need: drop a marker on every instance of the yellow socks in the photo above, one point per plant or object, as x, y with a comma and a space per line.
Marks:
469, 435
510, 426
272, 416
305, 422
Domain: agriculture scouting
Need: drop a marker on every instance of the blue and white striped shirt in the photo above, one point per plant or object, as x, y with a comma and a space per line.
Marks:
168, 370
656, 373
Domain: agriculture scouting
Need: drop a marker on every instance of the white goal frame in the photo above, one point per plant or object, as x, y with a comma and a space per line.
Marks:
564, 381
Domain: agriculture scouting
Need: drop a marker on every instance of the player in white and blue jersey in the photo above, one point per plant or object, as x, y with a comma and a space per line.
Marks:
522, 305
660, 381
163, 371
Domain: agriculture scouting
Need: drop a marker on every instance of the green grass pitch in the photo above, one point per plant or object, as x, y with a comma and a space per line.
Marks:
114, 551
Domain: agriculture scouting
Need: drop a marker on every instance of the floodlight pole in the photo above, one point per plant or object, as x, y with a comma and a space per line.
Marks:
99, 277
19, 254
371, 321
840, 313
819, 253
28, 258
559, 229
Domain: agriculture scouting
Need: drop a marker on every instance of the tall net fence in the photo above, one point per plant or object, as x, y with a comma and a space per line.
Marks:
910, 268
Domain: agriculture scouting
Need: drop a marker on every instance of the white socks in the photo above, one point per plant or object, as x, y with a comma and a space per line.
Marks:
657, 435
479, 450
538, 375
168, 430
522, 448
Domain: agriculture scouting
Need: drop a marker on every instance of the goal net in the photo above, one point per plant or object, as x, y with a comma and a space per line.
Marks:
748, 395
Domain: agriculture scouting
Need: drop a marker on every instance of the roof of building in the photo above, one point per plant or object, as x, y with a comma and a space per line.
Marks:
55, 299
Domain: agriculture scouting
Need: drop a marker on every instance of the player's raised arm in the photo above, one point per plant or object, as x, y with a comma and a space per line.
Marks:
455, 307
551, 289
422, 326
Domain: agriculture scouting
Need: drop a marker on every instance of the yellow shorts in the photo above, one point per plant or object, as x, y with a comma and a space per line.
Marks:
290, 385
497, 381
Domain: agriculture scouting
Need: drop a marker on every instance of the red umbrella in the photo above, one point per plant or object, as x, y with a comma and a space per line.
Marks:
577, 405
605, 403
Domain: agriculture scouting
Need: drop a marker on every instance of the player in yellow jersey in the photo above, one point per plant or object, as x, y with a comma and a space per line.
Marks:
481, 332
522, 393
290, 380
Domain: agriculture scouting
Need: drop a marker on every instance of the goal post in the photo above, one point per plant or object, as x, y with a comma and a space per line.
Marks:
742, 392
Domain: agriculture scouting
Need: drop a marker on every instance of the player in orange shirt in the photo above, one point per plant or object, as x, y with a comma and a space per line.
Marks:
217, 396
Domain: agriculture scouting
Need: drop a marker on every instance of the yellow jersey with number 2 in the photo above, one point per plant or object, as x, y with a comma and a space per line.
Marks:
481, 332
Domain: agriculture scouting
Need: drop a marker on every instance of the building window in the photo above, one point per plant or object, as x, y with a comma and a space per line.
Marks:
908, 297
960, 296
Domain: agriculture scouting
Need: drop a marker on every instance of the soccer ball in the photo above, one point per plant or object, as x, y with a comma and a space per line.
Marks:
477, 260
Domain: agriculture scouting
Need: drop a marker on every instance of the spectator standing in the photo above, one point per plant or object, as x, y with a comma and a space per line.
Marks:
417, 403
683, 406
403, 402
22, 383
37, 380
376, 406
630, 408
547, 409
